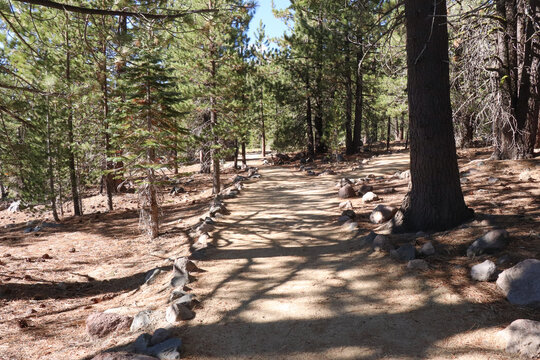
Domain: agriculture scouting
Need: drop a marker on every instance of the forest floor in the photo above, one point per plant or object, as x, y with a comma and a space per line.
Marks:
282, 280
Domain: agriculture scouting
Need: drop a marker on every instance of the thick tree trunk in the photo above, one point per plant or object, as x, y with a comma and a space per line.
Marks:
71, 141
309, 121
109, 166
514, 130
52, 192
263, 130
435, 200
358, 106
151, 181
235, 165
388, 135
349, 145
244, 159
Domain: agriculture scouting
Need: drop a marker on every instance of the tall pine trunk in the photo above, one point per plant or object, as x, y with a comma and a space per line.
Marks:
50, 171
349, 144
263, 130
359, 102
71, 141
309, 120
109, 166
435, 200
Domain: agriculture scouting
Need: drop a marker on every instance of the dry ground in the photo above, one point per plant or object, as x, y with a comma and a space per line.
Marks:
283, 281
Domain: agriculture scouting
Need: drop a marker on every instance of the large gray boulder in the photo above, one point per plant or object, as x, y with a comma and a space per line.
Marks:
382, 213
346, 191
180, 273
522, 337
483, 271
492, 241
141, 321
102, 324
369, 197
521, 283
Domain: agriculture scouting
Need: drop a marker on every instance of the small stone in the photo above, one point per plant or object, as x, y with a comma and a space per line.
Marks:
405, 174
349, 213
382, 213
522, 337
389, 190
151, 276
180, 273
483, 271
365, 189
122, 356
492, 180
405, 252
167, 350
350, 226
160, 335
345, 205
346, 191
142, 343
417, 264
141, 321
520, 284
381, 243
205, 228
369, 197
46, 257
490, 242
72, 250
102, 324
427, 249
177, 312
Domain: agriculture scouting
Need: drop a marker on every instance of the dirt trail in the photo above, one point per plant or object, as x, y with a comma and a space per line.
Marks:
285, 283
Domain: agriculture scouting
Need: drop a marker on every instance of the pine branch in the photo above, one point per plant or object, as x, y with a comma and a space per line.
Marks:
91, 11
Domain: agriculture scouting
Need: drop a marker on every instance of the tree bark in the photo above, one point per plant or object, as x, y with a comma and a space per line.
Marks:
109, 166
309, 121
388, 135
516, 127
435, 200
235, 154
349, 144
359, 98
152, 192
244, 159
71, 155
52, 192
263, 130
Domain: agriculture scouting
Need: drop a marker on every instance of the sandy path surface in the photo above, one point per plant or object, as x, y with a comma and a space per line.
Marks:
285, 283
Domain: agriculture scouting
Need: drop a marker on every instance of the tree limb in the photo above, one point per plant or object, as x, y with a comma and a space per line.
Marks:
83, 10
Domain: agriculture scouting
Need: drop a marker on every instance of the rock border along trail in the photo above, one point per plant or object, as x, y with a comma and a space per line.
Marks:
284, 281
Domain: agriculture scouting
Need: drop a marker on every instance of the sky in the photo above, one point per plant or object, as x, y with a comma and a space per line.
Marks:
274, 27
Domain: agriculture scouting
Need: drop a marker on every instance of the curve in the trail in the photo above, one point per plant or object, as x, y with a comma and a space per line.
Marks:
284, 283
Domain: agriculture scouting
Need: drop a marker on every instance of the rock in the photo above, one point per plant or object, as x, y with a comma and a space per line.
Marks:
405, 252
151, 276
365, 161
492, 180
205, 228
520, 284
350, 226
122, 356
503, 259
417, 264
365, 189
142, 343
180, 273
522, 337
239, 186
382, 213
178, 311
390, 190
167, 350
14, 206
345, 205
102, 324
177, 294
160, 335
368, 239
343, 219
349, 213
344, 181
239, 178
490, 242
141, 321
483, 271
369, 197
381, 243
346, 191
340, 158
427, 249
405, 174
252, 171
